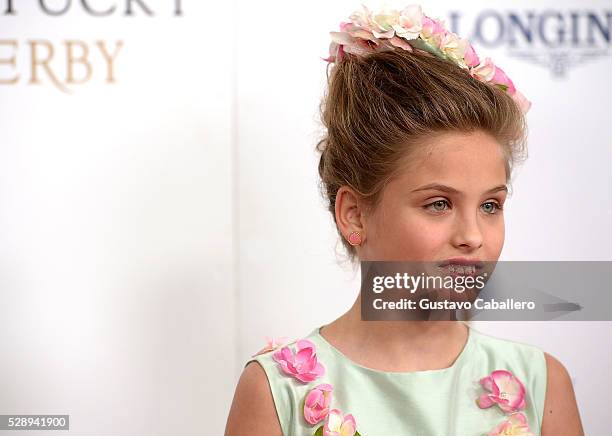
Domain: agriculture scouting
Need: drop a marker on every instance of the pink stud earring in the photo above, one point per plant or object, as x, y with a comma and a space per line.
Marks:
354, 238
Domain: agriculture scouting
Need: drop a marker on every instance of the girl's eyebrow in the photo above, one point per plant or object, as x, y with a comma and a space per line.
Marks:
497, 189
444, 188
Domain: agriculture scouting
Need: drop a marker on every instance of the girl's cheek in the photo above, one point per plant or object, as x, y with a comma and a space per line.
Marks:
422, 238
410, 232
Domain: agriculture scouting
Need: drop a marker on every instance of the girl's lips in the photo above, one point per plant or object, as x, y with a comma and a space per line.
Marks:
462, 261
460, 270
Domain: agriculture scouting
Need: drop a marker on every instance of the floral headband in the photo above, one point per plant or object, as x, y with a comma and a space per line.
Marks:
411, 30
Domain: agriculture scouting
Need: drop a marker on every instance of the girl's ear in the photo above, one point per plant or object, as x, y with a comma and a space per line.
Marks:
349, 212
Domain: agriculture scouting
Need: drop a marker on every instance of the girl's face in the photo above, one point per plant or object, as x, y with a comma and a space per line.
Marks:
445, 202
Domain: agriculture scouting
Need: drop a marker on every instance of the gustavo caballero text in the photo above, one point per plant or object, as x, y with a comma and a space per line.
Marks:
479, 303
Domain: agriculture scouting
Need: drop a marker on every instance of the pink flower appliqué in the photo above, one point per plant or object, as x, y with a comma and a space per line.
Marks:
316, 404
504, 389
515, 425
339, 425
303, 365
271, 344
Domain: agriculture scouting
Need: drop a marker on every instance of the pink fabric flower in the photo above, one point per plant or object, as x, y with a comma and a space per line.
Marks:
432, 29
471, 58
504, 389
410, 22
354, 39
521, 101
515, 425
316, 404
484, 71
487, 71
383, 23
501, 78
454, 47
362, 18
303, 365
396, 41
271, 344
339, 425
357, 32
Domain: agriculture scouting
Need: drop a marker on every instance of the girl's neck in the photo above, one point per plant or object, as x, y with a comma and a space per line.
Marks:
396, 345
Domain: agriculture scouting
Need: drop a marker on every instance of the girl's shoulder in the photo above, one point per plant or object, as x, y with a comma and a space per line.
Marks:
287, 378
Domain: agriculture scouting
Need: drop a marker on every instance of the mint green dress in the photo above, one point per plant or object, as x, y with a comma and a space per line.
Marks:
439, 402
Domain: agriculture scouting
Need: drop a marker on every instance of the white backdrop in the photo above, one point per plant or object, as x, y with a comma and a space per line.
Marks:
154, 229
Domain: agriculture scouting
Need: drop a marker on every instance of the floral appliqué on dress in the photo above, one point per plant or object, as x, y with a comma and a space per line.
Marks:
506, 392
303, 365
271, 344
503, 390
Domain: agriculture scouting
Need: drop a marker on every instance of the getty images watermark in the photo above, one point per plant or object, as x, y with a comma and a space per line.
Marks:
503, 290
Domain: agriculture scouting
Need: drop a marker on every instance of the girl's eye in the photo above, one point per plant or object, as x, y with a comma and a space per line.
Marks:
438, 205
491, 207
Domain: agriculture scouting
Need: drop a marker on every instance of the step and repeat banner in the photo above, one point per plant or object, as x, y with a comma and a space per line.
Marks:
159, 208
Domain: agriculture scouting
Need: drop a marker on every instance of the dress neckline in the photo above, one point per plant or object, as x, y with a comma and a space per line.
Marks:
440, 371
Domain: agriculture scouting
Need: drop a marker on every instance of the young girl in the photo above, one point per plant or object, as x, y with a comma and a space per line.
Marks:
422, 136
